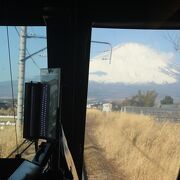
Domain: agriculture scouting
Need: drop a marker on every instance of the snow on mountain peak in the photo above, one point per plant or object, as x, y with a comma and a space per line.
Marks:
133, 63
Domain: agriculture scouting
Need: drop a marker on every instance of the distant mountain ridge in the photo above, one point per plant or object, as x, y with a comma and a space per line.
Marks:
119, 91
133, 67
109, 91
6, 90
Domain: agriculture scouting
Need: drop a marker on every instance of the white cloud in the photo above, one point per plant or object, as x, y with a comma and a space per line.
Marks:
133, 63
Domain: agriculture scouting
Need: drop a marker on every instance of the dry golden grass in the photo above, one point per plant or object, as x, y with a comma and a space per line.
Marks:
7, 140
8, 143
7, 112
141, 147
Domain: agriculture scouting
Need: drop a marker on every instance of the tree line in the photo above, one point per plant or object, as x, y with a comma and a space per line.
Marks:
142, 99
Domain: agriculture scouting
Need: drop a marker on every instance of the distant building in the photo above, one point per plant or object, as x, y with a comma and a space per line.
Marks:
170, 106
3, 105
107, 107
88, 106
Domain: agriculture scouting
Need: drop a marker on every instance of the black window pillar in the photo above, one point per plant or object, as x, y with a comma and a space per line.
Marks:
69, 36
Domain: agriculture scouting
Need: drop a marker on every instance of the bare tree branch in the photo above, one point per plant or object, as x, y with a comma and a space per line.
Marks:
174, 40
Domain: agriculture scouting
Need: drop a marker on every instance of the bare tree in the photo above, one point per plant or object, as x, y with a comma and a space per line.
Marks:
174, 39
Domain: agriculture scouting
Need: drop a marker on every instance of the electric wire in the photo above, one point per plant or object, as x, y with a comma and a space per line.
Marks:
26, 148
12, 90
27, 50
16, 149
107, 43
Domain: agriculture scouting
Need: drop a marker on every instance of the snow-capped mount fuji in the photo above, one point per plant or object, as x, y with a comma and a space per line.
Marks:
134, 63
133, 67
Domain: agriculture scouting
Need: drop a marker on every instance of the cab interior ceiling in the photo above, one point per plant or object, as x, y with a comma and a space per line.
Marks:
68, 39
128, 14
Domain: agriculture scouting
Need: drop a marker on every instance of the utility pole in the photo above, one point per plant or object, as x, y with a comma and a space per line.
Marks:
21, 78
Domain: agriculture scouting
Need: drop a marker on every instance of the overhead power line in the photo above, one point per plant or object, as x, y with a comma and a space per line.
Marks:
28, 50
107, 43
12, 90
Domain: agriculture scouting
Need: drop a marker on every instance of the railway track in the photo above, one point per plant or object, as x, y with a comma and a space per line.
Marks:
96, 164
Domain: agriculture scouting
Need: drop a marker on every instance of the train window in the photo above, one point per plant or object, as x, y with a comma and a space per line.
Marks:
23, 53
133, 105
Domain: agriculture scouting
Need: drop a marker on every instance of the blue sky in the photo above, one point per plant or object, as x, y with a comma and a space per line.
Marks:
33, 45
157, 39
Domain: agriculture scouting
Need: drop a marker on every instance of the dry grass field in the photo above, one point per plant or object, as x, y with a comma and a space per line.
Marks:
8, 143
7, 140
141, 147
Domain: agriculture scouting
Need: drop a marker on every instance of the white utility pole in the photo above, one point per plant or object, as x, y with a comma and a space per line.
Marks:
21, 78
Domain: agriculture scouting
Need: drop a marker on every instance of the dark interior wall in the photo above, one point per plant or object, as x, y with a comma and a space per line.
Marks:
68, 48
